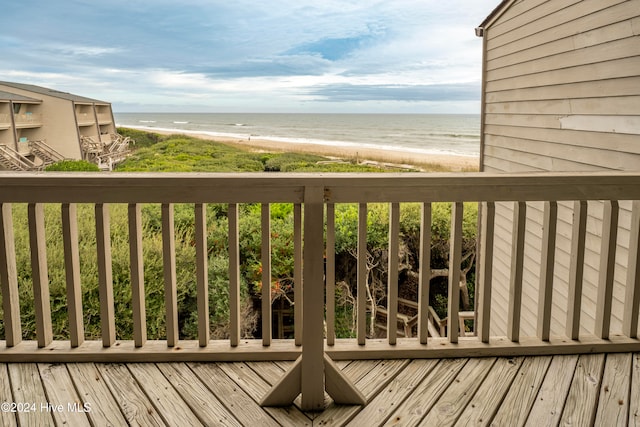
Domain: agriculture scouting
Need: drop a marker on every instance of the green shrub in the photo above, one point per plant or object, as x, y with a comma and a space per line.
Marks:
142, 138
73, 166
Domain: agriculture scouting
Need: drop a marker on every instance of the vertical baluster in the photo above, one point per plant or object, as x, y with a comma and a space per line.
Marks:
234, 276
547, 263
486, 271
137, 275
266, 274
9, 278
362, 275
331, 274
38, 245
632, 293
576, 269
72, 273
169, 261
392, 275
607, 267
517, 265
455, 260
424, 274
297, 273
202, 273
105, 278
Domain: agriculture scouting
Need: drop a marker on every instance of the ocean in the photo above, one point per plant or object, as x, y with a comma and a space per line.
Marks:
444, 134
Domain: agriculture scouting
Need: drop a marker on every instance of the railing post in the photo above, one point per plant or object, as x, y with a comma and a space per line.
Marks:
361, 316
9, 278
331, 274
265, 259
202, 273
170, 284
105, 277
455, 258
41, 298
137, 275
607, 267
72, 273
313, 302
392, 284
313, 372
547, 264
486, 271
576, 269
424, 274
234, 276
632, 294
297, 272
517, 265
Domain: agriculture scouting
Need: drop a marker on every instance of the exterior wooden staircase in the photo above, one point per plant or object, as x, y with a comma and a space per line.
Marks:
10, 159
45, 152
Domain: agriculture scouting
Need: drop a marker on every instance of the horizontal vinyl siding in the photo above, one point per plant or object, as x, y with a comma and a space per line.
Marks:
564, 18
626, 86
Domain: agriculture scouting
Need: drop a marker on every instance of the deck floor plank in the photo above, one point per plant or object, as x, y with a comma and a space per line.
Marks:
517, 403
239, 403
358, 369
370, 377
207, 407
379, 376
548, 406
256, 387
7, 418
62, 395
27, 390
580, 407
634, 399
453, 401
269, 371
484, 404
133, 402
422, 398
590, 389
613, 405
93, 391
171, 407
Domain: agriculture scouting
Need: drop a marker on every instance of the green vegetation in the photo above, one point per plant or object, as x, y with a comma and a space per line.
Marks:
73, 166
181, 153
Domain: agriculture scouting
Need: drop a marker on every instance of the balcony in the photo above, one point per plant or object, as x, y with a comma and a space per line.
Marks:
27, 120
5, 121
573, 376
104, 118
85, 119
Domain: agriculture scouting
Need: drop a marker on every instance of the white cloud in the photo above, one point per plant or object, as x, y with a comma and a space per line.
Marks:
256, 56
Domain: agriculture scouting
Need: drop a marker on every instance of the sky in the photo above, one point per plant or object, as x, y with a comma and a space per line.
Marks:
320, 56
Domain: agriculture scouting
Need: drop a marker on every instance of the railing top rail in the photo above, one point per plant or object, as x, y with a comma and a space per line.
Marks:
339, 187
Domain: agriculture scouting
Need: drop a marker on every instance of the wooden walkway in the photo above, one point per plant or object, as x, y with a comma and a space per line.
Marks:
595, 389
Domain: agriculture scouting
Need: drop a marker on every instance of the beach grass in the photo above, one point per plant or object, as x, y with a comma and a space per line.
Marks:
164, 151
186, 153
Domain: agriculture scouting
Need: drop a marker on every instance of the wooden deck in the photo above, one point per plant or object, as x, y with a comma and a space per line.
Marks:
594, 389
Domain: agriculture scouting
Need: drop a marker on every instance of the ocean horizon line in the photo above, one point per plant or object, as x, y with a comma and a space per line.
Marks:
436, 134
310, 141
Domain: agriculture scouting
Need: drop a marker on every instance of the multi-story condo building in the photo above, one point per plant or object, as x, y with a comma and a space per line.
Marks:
40, 125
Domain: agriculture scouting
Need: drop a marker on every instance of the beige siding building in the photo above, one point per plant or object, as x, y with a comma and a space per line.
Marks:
34, 119
561, 92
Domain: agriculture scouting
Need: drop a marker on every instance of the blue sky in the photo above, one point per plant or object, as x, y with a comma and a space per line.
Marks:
404, 56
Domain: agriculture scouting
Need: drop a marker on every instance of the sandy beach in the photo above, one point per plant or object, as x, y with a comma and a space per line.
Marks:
428, 162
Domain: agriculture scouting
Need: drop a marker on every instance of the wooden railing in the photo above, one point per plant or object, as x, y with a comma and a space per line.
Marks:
27, 119
314, 198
